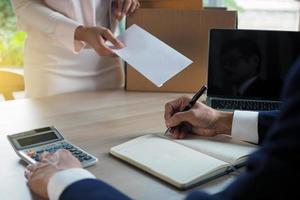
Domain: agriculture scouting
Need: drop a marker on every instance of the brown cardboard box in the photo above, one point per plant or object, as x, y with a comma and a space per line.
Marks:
177, 4
186, 31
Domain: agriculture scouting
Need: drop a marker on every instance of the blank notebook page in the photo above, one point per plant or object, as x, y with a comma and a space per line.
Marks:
221, 147
166, 159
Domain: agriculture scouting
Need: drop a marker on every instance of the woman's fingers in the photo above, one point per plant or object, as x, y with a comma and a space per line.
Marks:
118, 9
134, 6
102, 49
101, 46
126, 6
108, 35
97, 38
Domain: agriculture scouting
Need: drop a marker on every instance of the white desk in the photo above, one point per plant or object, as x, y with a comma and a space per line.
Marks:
94, 121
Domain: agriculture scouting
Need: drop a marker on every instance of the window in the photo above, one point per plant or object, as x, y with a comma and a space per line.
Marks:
11, 39
11, 45
263, 14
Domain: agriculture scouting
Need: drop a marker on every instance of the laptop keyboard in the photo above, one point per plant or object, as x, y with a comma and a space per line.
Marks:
244, 105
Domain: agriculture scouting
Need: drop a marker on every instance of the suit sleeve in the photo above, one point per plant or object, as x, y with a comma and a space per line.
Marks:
272, 172
265, 121
91, 189
34, 14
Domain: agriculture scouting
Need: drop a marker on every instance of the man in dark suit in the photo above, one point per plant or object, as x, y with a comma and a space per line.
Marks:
272, 171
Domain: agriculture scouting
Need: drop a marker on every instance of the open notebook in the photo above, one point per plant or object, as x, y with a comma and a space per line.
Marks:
184, 163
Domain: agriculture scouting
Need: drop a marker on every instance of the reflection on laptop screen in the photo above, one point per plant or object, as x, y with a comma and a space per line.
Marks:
250, 63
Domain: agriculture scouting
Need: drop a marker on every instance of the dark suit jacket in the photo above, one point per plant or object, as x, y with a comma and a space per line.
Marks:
272, 172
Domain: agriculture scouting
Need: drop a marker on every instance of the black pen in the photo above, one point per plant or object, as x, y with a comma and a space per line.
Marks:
191, 104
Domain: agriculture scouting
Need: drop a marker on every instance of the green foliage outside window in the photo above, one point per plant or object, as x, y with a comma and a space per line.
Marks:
11, 40
11, 48
232, 5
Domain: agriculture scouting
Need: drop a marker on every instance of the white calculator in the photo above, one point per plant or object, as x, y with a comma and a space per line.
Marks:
31, 144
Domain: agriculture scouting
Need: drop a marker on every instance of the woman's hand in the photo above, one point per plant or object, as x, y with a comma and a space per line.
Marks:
200, 119
124, 8
96, 37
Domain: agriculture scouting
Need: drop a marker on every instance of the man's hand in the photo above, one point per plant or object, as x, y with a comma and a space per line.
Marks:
96, 37
39, 174
200, 119
124, 8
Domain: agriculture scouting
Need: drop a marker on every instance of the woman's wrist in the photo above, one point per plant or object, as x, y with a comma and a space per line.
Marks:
79, 33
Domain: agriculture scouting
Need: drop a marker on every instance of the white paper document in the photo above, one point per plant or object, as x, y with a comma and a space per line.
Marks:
157, 61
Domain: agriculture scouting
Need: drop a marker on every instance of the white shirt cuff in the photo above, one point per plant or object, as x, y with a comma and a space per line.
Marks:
245, 126
62, 179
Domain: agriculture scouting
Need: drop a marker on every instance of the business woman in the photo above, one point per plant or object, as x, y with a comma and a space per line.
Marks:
65, 48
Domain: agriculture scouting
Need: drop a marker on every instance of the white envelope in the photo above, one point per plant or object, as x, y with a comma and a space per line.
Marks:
157, 61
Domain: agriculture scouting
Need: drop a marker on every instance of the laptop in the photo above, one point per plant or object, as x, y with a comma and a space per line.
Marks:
247, 68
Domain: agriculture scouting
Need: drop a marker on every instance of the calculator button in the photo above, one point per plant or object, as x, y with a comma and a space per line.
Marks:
87, 157
77, 152
72, 150
68, 146
52, 150
35, 157
40, 151
82, 155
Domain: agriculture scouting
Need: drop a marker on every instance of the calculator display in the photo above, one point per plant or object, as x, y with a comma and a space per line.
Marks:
37, 139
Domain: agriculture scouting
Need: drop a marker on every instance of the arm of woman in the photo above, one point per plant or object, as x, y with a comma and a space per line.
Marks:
34, 13
70, 33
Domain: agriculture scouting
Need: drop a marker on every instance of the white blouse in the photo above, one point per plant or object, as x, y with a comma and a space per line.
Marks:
54, 62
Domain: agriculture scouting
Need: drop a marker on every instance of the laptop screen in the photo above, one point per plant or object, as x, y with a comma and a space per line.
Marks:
250, 64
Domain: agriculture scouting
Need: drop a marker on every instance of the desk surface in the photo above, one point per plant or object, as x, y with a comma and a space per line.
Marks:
94, 121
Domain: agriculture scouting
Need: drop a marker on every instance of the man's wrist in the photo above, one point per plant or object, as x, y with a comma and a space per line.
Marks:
224, 122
